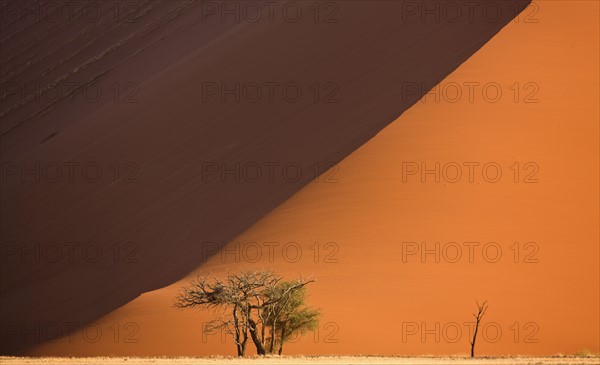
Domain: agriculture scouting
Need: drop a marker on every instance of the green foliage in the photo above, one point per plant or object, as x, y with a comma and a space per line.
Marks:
288, 316
585, 353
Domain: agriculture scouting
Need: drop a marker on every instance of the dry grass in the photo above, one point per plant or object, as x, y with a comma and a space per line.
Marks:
297, 360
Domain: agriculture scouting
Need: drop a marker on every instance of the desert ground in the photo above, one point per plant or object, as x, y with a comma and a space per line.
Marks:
300, 360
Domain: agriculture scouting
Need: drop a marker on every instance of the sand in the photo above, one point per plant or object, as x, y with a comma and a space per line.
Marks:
144, 195
333, 360
544, 299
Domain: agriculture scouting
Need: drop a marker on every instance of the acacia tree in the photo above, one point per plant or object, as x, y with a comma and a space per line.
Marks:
289, 316
480, 312
245, 302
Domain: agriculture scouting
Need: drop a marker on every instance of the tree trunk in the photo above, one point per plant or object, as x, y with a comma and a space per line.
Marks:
272, 344
257, 342
282, 339
474, 338
244, 342
262, 329
240, 350
241, 337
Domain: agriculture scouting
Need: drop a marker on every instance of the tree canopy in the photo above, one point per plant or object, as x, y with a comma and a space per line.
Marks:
256, 305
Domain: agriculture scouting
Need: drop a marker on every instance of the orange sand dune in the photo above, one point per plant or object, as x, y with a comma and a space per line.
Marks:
379, 298
139, 183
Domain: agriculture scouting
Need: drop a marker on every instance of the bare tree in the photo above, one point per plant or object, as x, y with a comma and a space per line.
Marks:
219, 295
480, 312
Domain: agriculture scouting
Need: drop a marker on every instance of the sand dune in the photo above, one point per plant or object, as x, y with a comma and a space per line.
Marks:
107, 199
358, 231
